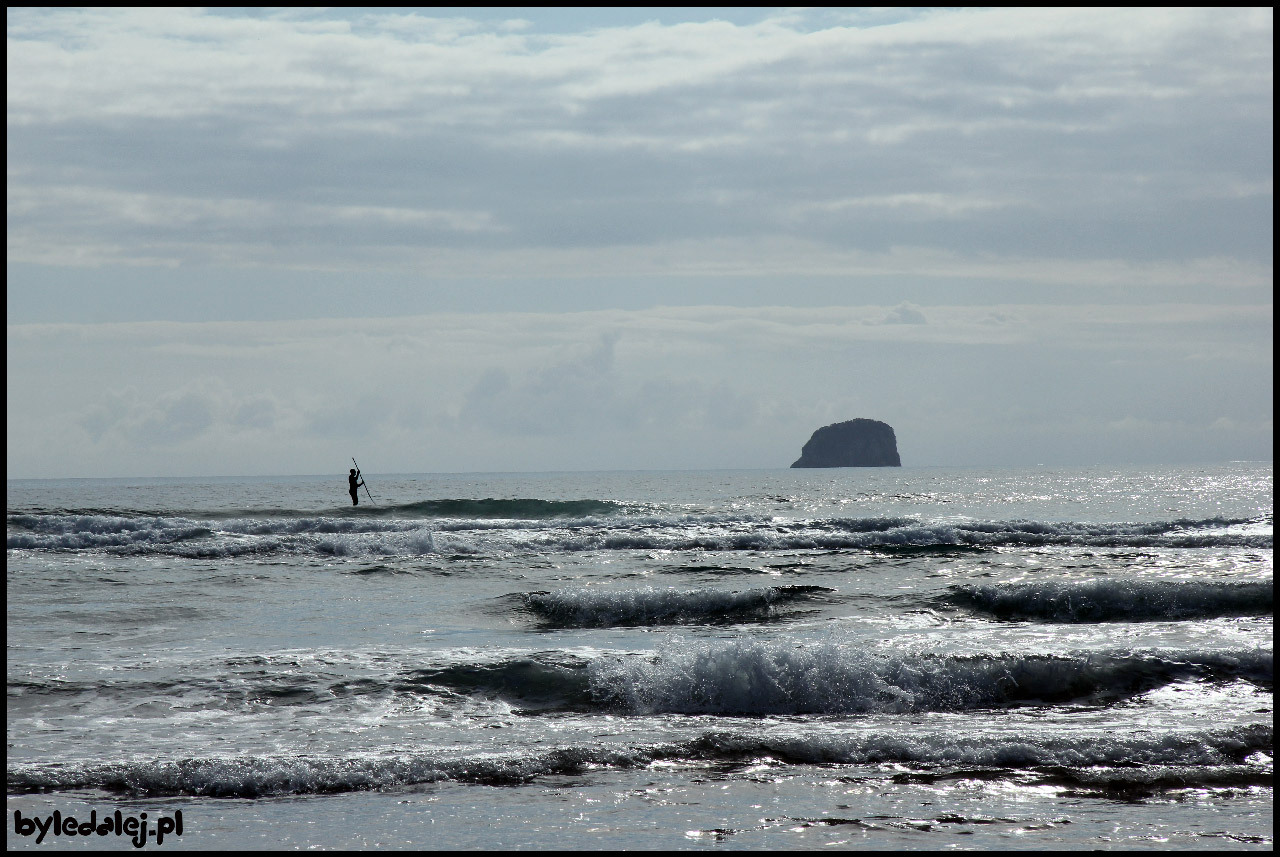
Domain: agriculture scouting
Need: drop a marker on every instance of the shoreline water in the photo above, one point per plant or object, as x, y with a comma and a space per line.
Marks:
745, 659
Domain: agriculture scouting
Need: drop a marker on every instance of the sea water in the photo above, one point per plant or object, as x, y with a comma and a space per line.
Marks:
899, 658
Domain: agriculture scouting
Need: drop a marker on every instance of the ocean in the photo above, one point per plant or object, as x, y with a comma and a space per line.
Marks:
888, 658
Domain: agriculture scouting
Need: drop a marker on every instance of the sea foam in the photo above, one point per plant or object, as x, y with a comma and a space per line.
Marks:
561, 525
1177, 760
777, 678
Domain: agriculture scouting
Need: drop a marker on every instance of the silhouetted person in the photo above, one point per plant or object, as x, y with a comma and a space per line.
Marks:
355, 482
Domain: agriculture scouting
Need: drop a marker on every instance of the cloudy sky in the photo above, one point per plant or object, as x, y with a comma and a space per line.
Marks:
524, 239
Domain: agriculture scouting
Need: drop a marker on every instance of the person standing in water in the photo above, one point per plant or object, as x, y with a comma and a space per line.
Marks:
353, 479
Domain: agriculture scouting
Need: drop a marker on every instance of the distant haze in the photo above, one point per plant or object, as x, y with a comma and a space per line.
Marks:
263, 242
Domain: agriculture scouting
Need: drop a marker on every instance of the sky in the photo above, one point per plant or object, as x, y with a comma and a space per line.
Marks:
453, 240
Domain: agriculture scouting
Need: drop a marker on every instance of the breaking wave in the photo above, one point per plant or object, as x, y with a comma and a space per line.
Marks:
737, 677
469, 526
518, 509
598, 607
1116, 599
770, 678
1180, 760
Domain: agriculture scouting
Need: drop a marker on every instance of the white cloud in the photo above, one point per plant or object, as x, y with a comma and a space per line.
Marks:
926, 204
905, 313
194, 127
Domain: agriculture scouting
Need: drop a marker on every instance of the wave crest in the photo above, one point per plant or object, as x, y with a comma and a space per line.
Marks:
469, 526
1209, 757
1116, 599
770, 678
598, 607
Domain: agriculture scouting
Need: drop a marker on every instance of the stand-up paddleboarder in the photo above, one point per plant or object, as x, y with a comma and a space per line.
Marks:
354, 482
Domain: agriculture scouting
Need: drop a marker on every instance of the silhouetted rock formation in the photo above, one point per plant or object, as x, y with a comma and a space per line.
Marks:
856, 443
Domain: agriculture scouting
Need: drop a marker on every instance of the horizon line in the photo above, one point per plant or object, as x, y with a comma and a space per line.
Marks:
343, 473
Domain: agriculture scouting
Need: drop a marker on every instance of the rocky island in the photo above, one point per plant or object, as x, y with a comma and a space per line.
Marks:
854, 443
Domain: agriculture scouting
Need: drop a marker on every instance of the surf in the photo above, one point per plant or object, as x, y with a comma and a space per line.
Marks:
1115, 599
1099, 761
600, 607
747, 677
